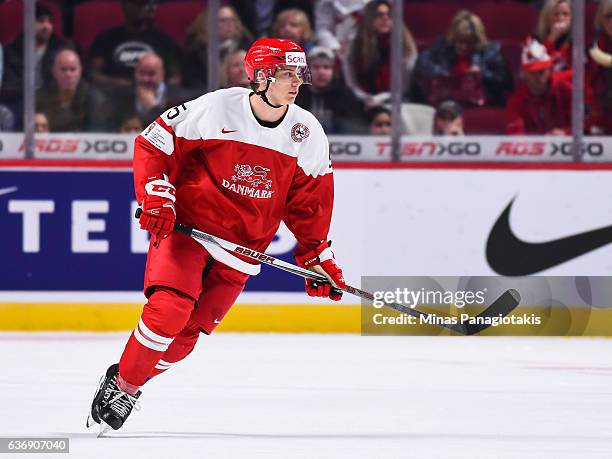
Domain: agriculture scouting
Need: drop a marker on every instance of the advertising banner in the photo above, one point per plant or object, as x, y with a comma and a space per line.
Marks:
343, 148
76, 231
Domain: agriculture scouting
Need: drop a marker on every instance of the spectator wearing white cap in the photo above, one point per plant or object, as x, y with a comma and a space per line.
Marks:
542, 102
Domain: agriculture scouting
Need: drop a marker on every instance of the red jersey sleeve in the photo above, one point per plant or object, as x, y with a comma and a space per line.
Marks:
310, 199
159, 147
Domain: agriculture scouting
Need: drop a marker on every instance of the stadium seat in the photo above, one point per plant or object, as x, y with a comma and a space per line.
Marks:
92, 18
417, 119
174, 18
507, 21
484, 120
428, 20
11, 19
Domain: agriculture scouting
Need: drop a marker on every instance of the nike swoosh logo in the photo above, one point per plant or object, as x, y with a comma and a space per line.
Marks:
225, 131
509, 256
217, 321
10, 189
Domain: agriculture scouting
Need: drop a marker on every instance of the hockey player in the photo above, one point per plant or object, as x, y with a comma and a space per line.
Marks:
233, 163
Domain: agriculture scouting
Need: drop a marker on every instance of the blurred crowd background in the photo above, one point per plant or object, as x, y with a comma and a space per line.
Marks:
469, 66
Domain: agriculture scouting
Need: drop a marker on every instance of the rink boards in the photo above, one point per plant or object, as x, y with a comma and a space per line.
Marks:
68, 233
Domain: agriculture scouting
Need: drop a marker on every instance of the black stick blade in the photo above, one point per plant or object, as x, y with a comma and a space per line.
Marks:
502, 306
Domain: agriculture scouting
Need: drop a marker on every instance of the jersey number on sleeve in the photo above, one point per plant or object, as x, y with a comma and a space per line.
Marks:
174, 111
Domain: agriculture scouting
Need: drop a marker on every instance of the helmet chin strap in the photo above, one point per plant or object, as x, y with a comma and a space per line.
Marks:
262, 94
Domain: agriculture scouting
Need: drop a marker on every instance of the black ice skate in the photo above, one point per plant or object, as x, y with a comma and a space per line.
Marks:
111, 406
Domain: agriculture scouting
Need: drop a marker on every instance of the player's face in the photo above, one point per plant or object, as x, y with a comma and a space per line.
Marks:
286, 86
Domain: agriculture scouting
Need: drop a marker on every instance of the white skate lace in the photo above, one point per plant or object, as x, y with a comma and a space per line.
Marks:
123, 402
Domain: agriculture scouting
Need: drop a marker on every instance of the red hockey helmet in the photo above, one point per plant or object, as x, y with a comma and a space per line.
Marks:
267, 55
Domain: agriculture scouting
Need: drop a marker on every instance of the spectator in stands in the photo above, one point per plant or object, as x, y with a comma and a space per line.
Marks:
131, 124
7, 119
232, 37
41, 123
335, 22
542, 103
448, 119
379, 120
294, 25
598, 78
150, 95
258, 15
115, 52
367, 64
47, 45
555, 32
232, 70
69, 102
463, 66
328, 98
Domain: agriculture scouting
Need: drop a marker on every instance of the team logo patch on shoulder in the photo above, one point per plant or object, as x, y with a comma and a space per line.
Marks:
299, 132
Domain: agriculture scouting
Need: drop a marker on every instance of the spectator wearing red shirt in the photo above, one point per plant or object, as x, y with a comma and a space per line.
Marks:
542, 102
555, 30
598, 80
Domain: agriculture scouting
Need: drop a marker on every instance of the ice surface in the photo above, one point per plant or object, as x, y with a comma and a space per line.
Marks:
324, 396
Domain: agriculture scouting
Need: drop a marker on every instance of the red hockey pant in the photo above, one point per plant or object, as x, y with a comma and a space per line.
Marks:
188, 293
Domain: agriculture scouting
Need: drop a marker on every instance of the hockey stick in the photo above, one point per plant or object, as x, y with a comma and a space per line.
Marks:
502, 306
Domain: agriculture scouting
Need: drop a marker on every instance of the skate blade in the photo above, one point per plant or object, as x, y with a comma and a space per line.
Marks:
104, 428
90, 422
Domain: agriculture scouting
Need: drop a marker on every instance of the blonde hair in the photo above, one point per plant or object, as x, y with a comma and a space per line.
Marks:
366, 47
224, 75
545, 14
604, 7
285, 15
467, 24
197, 33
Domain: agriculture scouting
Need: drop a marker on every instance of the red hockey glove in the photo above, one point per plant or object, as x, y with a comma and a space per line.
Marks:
321, 260
158, 214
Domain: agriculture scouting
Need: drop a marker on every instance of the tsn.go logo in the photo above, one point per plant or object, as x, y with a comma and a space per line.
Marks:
409, 149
